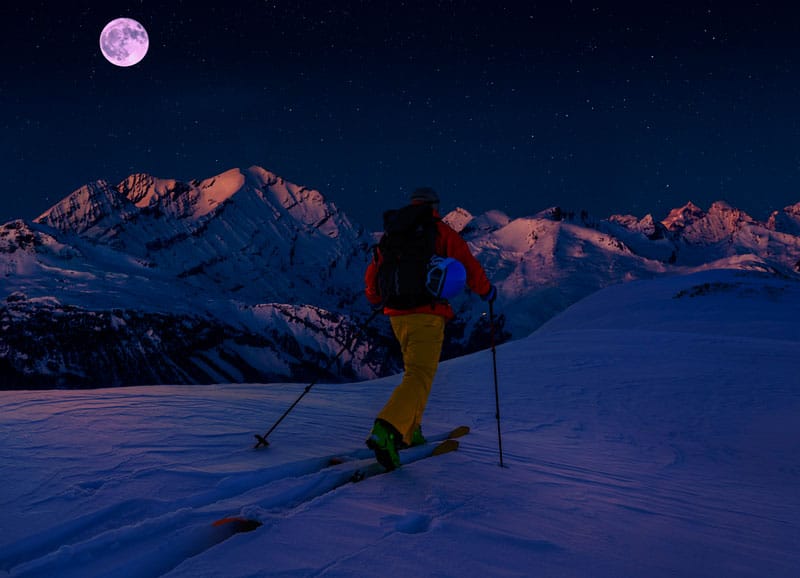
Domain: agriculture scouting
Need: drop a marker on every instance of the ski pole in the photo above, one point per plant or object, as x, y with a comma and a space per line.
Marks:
496, 389
262, 440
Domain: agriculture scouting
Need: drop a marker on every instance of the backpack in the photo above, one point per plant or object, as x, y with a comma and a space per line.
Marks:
406, 248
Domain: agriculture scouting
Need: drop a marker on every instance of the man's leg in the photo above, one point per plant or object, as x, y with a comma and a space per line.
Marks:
420, 336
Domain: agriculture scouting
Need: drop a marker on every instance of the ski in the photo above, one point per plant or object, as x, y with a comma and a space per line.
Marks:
360, 454
354, 467
407, 456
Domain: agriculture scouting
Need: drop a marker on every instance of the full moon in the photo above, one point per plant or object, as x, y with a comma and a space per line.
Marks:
124, 42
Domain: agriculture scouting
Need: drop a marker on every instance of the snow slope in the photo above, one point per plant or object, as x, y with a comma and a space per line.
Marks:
649, 430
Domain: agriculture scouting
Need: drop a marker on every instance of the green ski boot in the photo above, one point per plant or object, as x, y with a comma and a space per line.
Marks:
384, 441
417, 439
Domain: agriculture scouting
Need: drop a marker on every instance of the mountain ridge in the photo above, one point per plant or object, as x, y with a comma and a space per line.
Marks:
271, 273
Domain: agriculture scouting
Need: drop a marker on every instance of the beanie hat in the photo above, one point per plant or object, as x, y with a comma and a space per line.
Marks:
424, 195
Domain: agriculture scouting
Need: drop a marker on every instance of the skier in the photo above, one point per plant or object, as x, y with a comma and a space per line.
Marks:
419, 328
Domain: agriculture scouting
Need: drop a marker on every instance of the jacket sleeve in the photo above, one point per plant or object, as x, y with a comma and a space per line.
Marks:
371, 287
450, 244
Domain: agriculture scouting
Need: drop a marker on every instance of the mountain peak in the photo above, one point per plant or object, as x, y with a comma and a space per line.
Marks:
646, 225
194, 199
262, 177
216, 190
86, 207
458, 218
144, 190
786, 221
721, 206
728, 213
793, 209
682, 217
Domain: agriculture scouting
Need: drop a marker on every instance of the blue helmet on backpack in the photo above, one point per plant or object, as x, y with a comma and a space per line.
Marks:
446, 277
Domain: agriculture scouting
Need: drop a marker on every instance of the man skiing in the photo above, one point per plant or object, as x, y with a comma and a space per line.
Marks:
418, 325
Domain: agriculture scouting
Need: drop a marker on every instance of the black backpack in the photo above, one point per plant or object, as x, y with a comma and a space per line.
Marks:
406, 248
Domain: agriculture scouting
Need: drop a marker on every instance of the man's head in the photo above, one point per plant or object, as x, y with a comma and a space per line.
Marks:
425, 196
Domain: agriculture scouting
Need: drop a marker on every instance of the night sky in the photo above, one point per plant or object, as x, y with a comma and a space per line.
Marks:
633, 107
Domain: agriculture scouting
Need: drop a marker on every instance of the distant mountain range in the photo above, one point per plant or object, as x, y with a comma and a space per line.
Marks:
247, 277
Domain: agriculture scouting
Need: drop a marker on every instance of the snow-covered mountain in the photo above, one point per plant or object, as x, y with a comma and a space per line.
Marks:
248, 234
247, 277
239, 277
544, 263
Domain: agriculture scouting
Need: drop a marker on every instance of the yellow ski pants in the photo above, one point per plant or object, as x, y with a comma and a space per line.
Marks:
420, 336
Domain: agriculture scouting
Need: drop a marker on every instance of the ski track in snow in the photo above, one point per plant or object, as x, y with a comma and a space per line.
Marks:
631, 451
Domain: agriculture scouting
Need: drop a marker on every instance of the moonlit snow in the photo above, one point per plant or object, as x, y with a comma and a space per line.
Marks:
649, 430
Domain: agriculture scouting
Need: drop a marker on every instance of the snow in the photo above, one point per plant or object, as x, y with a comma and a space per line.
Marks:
649, 430
218, 249
213, 192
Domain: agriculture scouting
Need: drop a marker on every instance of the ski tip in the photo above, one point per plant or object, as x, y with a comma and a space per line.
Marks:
460, 431
445, 447
238, 524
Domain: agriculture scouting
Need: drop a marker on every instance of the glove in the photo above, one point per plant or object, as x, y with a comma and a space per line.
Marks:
490, 295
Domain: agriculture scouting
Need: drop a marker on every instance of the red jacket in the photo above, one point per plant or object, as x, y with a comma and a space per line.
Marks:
448, 244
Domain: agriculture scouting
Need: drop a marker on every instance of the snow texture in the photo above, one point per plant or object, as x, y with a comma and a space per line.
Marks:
649, 430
